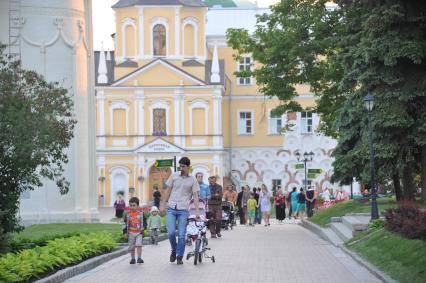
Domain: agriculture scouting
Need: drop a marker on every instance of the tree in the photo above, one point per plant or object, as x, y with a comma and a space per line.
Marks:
362, 47
36, 126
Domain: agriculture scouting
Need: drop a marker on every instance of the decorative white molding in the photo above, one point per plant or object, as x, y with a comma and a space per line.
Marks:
177, 31
198, 141
199, 103
118, 104
217, 116
194, 23
100, 97
140, 101
124, 23
141, 32
119, 142
159, 21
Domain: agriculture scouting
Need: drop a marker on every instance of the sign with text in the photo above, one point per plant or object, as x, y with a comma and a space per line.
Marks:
299, 166
162, 163
314, 171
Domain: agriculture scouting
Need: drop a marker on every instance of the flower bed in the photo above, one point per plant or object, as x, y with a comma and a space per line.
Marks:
33, 263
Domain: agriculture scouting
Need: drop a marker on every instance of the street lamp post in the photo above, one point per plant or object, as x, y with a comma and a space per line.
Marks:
369, 100
306, 158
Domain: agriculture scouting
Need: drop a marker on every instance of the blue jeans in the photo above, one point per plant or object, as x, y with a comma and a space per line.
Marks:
179, 216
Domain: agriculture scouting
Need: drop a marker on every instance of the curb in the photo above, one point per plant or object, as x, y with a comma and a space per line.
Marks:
370, 267
82, 267
72, 271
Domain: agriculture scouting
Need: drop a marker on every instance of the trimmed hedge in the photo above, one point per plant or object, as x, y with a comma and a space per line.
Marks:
33, 263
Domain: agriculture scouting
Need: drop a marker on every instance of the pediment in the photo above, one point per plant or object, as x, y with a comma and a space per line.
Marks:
159, 73
160, 145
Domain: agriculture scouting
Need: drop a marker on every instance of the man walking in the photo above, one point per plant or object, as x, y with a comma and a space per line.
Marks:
180, 188
204, 188
311, 197
215, 207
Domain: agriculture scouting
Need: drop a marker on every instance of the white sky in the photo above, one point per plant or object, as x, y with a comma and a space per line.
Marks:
104, 22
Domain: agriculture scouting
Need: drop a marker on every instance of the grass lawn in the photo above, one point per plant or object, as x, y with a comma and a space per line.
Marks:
40, 230
401, 258
322, 217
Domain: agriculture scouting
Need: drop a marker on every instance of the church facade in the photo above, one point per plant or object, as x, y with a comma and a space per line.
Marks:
169, 90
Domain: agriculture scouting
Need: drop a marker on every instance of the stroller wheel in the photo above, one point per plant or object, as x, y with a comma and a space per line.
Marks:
213, 260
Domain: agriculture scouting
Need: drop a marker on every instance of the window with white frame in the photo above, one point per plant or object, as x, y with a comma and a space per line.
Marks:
244, 64
159, 122
306, 123
275, 124
245, 123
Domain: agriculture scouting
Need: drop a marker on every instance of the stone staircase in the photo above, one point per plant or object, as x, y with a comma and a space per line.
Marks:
347, 226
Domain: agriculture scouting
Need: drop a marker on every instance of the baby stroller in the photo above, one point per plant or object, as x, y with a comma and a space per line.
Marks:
227, 215
196, 232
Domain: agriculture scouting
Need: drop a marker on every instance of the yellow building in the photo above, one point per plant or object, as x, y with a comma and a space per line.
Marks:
169, 89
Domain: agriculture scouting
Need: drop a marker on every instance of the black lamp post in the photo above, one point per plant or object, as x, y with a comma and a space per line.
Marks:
369, 100
306, 158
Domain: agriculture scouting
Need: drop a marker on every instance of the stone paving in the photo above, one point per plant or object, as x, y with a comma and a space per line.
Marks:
279, 253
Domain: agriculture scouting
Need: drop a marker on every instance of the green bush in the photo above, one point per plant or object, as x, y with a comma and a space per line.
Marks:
32, 263
376, 224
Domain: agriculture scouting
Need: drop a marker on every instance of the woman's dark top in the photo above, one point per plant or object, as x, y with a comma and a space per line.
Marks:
301, 198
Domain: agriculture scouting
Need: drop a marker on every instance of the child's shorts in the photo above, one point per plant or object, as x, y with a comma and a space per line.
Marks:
251, 213
135, 240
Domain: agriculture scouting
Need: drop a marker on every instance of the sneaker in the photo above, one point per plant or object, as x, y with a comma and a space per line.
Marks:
133, 261
219, 235
213, 236
179, 260
140, 260
173, 256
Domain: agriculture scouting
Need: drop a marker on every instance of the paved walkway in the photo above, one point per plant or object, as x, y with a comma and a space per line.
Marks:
279, 253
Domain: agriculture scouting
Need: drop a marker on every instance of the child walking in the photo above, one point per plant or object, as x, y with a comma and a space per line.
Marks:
154, 225
135, 224
251, 209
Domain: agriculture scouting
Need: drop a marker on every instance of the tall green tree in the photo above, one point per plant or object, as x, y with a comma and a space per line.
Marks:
36, 127
362, 47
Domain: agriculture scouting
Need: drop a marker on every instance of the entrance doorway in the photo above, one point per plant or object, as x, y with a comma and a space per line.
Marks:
157, 179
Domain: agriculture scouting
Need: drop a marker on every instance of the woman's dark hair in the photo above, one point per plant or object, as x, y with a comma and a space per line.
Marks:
301, 189
294, 189
185, 161
254, 190
134, 200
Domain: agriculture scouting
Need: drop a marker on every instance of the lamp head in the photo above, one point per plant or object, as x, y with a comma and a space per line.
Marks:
297, 153
369, 102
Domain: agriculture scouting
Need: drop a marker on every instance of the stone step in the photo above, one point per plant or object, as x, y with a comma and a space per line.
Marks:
342, 231
336, 219
356, 223
332, 237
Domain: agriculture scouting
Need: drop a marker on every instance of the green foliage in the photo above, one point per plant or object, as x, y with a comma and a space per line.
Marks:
401, 258
41, 234
322, 217
36, 126
32, 263
376, 224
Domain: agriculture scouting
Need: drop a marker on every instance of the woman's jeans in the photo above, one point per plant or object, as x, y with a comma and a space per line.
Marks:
179, 216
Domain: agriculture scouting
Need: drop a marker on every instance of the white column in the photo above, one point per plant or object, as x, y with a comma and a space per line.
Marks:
217, 114
177, 105
141, 33
182, 119
100, 96
177, 31
140, 101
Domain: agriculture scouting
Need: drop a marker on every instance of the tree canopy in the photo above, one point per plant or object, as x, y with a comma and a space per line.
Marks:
361, 47
36, 127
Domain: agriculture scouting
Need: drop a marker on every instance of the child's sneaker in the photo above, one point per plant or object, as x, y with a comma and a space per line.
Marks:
133, 261
140, 260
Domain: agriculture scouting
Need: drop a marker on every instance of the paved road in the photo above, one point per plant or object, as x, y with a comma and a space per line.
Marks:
279, 253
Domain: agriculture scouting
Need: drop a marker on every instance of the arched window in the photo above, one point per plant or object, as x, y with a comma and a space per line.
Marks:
159, 38
189, 41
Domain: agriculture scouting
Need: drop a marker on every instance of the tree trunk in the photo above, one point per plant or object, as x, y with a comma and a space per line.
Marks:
407, 181
397, 186
423, 173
